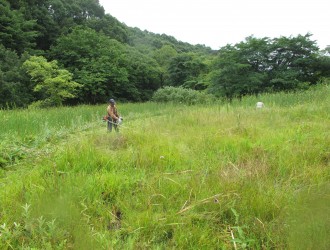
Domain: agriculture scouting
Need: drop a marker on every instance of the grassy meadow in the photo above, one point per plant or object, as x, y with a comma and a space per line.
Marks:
211, 176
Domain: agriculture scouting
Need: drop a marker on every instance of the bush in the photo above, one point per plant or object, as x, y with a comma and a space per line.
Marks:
181, 95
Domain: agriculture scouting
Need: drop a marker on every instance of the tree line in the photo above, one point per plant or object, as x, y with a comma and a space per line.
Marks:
56, 52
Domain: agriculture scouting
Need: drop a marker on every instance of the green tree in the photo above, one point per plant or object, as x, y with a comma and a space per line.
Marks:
260, 65
97, 63
56, 17
56, 84
16, 32
109, 26
233, 75
104, 67
322, 66
185, 68
15, 86
292, 62
143, 74
163, 56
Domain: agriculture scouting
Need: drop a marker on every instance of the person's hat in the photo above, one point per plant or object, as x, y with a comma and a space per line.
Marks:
112, 101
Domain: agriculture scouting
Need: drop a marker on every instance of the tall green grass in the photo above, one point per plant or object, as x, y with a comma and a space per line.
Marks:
220, 176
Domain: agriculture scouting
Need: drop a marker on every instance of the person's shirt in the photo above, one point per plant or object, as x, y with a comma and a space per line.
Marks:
112, 112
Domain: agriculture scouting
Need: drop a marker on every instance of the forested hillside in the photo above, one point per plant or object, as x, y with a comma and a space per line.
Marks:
56, 52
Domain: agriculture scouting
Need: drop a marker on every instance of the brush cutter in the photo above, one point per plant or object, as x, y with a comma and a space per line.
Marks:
119, 121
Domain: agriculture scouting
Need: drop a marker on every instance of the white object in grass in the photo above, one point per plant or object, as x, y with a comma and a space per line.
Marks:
260, 105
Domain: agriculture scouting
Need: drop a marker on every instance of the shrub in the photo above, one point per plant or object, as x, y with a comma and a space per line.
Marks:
181, 95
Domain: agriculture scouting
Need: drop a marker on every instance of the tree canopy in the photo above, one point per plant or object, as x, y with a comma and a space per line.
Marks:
108, 58
260, 65
54, 83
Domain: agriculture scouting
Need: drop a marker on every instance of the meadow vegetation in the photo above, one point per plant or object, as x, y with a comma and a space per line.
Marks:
211, 176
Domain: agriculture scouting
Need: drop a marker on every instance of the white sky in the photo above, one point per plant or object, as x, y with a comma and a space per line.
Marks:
216, 23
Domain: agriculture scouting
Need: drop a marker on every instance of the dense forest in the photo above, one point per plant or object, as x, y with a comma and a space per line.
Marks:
56, 52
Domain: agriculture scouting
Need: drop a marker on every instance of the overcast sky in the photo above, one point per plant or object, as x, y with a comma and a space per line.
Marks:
216, 23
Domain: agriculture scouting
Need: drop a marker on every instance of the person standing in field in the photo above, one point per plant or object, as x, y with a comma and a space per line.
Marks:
113, 116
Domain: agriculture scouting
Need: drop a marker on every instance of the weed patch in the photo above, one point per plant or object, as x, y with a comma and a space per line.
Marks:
212, 176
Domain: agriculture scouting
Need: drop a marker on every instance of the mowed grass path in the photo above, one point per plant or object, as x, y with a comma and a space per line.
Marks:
220, 176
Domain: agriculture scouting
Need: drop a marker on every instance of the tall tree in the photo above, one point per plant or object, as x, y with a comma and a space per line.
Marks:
16, 32
185, 67
55, 17
105, 67
259, 65
292, 62
233, 75
97, 63
56, 84
15, 87
109, 26
164, 56
143, 73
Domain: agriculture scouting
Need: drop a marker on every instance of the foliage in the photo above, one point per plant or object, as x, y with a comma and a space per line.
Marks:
235, 76
181, 95
111, 27
146, 42
143, 74
42, 233
16, 32
55, 17
54, 83
163, 57
108, 58
260, 65
15, 87
185, 68
97, 63
105, 67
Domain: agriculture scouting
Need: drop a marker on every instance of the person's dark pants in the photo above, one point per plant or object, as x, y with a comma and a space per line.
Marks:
111, 123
